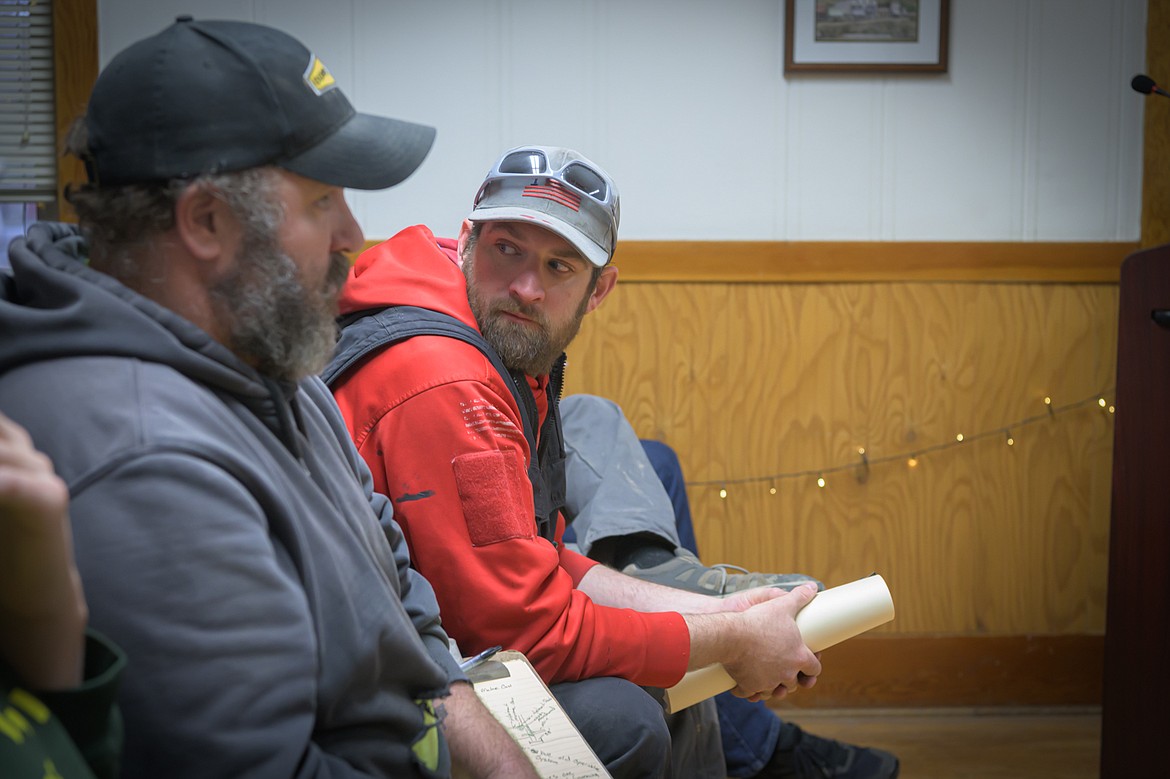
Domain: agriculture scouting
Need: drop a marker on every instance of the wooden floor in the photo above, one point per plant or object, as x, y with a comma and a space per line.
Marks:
967, 743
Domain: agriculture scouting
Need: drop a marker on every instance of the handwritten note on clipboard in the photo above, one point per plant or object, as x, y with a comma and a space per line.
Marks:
512, 690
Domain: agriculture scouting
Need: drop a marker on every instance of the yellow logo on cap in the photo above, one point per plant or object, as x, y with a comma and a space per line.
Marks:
318, 77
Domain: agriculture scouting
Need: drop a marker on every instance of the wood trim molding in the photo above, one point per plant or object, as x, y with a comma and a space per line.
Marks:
75, 69
865, 261
848, 261
947, 671
1156, 132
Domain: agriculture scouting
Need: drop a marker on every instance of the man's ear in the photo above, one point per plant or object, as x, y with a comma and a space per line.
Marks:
464, 234
205, 225
605, 284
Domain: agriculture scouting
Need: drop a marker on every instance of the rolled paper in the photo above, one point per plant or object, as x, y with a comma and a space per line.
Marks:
696, 686
831, 617
843, 612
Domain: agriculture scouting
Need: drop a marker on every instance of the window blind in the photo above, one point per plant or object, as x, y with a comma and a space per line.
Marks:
28, 136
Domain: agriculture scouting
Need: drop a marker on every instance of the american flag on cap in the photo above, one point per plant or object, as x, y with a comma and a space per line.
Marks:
555, 191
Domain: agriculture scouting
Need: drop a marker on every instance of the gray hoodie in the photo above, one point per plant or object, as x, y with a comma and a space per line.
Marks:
227, 536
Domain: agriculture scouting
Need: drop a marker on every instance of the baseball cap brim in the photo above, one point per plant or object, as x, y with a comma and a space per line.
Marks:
367, 152
582, 243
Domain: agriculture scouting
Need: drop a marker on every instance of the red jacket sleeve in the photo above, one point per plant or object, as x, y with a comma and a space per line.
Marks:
574, 563
451, 456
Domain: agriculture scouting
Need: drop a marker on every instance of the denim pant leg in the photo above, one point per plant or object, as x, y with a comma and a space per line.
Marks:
623, 724
750, 730
627, 491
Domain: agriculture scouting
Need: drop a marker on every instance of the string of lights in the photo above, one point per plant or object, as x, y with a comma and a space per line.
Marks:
912, 456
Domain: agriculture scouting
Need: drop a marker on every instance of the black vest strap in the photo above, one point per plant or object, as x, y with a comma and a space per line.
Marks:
366, 332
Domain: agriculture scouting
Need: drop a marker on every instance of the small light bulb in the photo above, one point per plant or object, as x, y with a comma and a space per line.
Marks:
912, 462
1112, 409
959, 438
821, 482
772, 491
861, 450
1101, 402
1047, 401
723, 493
1011, 441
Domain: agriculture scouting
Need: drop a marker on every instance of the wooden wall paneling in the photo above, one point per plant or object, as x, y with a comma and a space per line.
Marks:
1080, 342
782, 378
1156, 130
714, 381
75, 68
882, 671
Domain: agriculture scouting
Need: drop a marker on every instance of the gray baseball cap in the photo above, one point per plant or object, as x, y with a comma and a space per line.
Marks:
558, 189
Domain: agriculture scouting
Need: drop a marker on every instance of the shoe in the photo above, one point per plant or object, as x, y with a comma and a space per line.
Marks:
685, 572
813, 757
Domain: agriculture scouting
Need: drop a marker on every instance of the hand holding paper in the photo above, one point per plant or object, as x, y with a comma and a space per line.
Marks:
831, 617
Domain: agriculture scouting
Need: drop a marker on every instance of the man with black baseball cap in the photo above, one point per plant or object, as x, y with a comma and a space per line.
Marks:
164, 356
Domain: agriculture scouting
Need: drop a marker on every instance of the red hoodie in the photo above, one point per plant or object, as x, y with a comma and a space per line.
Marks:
443, 438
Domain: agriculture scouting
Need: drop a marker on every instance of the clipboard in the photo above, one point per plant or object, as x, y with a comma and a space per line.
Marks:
515, 694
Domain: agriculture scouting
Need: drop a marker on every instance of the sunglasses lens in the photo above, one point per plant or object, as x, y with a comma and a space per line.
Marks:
527, 162
587, 180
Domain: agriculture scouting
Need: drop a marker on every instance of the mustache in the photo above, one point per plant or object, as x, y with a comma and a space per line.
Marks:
337, 274
514, 307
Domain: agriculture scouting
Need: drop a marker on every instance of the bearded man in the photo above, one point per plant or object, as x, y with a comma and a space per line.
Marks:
449, 379
165, 357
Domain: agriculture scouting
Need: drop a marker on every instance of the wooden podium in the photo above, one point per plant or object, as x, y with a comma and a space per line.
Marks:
1136, 697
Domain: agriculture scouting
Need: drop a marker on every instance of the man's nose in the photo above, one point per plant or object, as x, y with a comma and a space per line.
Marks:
527, 287
347, 233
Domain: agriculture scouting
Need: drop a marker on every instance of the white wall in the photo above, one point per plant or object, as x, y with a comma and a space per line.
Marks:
1033, 134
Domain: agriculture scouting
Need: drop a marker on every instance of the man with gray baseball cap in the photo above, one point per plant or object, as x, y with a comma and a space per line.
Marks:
164, 355
513, 192
457, 346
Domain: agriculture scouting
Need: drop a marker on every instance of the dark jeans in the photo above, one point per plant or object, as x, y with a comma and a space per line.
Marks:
750, 730
621, 486
628, 730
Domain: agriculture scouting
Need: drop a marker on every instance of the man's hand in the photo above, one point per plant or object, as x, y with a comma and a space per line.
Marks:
480, 746
745, 599
760, 646
42, 608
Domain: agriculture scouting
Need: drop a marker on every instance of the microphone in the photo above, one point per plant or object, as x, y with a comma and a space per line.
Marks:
1144, 84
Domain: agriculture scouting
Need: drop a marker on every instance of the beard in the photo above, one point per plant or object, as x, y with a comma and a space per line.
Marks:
277, 324
528, 347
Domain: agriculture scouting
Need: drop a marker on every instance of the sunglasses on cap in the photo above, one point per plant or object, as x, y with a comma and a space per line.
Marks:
577, 174
563, 186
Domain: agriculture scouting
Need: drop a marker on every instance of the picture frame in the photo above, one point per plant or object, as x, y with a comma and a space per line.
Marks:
866, 36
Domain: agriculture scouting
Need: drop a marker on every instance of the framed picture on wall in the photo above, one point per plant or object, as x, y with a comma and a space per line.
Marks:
866, 36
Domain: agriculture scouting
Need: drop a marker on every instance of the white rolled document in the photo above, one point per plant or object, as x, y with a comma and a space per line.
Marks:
831, 617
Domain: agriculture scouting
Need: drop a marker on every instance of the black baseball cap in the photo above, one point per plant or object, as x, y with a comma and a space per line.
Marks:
217, 96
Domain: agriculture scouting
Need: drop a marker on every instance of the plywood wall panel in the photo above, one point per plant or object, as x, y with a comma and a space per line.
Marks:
748, 381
